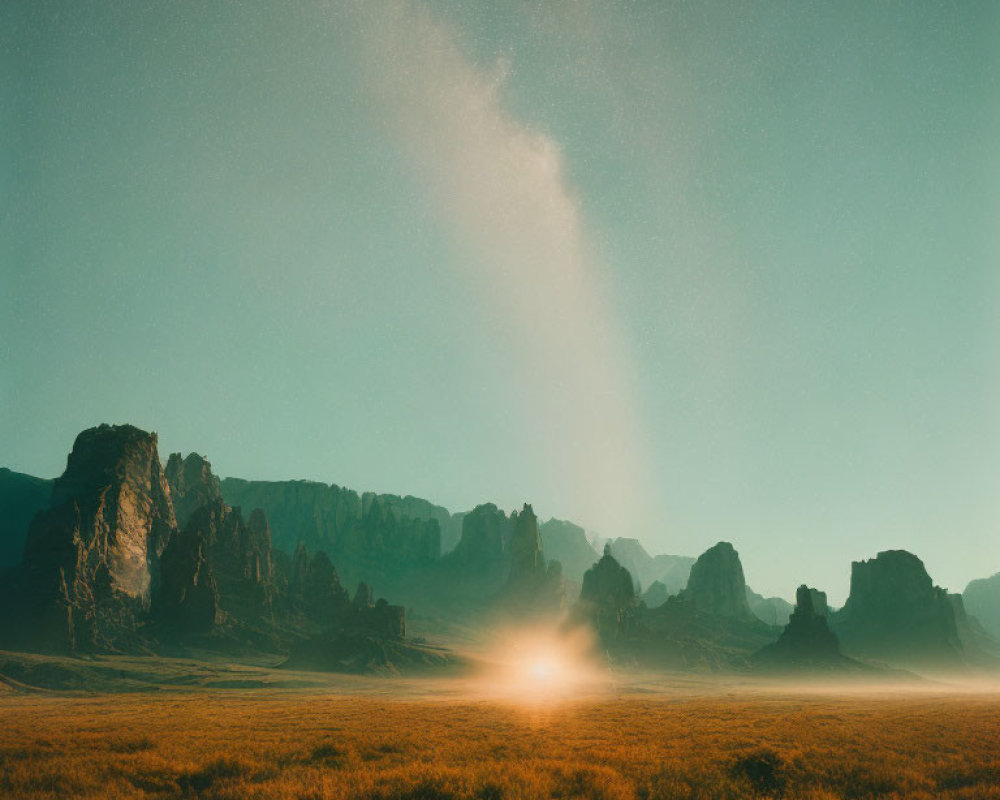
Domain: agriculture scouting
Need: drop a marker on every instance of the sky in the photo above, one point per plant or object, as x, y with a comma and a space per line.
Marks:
680, 271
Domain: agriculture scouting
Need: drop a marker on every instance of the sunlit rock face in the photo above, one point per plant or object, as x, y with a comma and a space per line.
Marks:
90, 561
895, 613
192, 484
717, 586
607, 599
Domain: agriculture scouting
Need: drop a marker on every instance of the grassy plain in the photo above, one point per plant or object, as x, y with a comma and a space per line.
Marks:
424, 741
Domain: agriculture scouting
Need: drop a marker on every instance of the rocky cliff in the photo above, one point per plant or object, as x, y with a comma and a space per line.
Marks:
485, 540
192, 484
894, 613
567, 543
807, 641
370, 537
607, 598
671, 571
91, 561
982, 600
772, 610
21, 497
534, 587
717, 586
106, 567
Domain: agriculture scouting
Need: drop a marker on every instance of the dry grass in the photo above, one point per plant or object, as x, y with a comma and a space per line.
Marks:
295, 745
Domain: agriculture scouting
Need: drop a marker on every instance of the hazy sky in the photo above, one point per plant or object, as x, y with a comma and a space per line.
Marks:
683, 271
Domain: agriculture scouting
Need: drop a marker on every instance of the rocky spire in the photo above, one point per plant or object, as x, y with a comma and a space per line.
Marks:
192, 484
717, 586
607, 598
91, 561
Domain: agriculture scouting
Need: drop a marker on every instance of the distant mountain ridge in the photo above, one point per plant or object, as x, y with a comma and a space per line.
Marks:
125, 553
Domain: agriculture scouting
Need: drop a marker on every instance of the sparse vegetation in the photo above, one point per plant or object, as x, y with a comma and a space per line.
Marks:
309, 746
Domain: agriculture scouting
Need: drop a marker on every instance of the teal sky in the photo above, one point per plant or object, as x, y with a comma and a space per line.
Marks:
685, 271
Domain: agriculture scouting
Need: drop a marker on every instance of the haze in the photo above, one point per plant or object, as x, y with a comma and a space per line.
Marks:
682, 272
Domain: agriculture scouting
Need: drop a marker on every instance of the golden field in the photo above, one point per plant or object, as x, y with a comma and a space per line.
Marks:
686, 742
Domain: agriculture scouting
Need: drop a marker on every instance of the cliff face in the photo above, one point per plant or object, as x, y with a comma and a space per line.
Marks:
567, 543
192, 484
91, 561
369, 537
717, 586
671, 571
486, 534
21, 497
807, 641
895, 613
772, 610
982, 600
607, 599
534, 587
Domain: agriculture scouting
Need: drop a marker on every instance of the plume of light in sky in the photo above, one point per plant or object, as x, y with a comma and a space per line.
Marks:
501, 192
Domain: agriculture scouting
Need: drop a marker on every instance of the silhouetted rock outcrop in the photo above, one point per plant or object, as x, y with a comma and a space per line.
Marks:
188, 598
671, 571
486, 534
807, 641
192, 484
315, 588
533, 587
717, 586
21, 497
369, 537
91, 560
607, 599
894, 613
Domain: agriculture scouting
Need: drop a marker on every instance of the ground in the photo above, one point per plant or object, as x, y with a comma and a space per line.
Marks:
427, 739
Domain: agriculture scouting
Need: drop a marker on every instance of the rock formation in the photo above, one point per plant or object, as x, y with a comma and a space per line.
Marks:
894, 613
192, 484
671, 571
21, 497
525, 545
717, 586
369, 537
807, 641
376, 616
486, 534
188, 598
533, 587
982, 600
567, 543
656, 595
772, 610
607, 599
978, 646
91, 560
315, 588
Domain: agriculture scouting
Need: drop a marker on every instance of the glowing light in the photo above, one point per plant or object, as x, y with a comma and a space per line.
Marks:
541, 665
